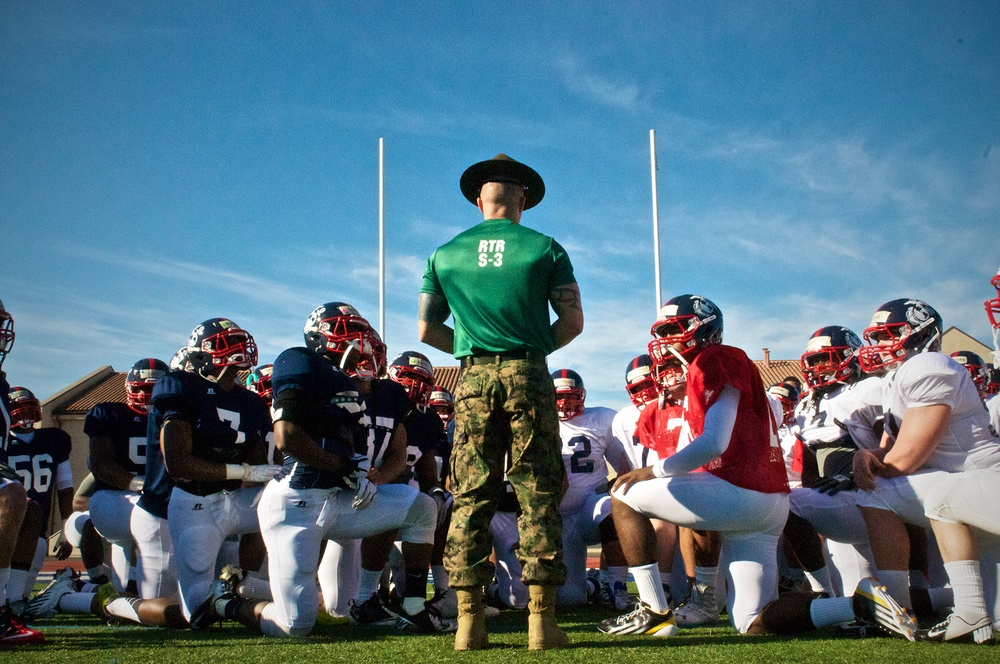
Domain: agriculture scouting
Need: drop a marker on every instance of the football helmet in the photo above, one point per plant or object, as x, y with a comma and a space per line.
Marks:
639, 382
993, 305
180, 361
139, 383
976, 367
788, 395
685, 326
570, 393
413, 371
993, 383
338, 332
25, 409
831, 357
443, 403
259, 381
6, 332
218, 343
899, 329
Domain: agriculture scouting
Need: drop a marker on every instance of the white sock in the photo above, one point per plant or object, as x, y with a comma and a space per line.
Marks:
706, 578
831, 611
124, 607
897, 584
253, 587
16, 581
368, 584
647, 580
440, 576
616, 575
76, 602
820, 581
967, 583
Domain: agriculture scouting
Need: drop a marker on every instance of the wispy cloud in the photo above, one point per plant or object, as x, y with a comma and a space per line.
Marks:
595, 86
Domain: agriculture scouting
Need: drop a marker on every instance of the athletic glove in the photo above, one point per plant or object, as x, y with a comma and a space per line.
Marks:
248, 473
357, 479
443, 499
835, 484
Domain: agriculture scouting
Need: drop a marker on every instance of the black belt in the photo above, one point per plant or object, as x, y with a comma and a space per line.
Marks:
497, 358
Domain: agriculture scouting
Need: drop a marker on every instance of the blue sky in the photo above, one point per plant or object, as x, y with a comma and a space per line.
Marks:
165, 163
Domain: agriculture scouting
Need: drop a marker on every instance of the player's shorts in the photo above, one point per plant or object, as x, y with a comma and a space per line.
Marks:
903, 495
111, 513
972, 498
836, 517
580, 530
156, 574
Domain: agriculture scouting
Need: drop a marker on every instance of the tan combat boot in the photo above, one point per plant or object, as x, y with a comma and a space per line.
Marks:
471, 634
543, 630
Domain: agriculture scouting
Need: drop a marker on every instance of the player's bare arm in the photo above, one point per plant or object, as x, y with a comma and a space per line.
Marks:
175, 442
565, 301
919, 435
104, 466
432, 312
293, 440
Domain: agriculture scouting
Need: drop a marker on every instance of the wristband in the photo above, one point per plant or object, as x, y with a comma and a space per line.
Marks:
236, 471
659, 470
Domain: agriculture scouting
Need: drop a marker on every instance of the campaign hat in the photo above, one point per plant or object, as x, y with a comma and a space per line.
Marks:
502, 168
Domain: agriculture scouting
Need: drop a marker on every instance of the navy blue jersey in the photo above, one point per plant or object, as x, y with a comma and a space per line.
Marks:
4, 411
227, 426
325, 402
127, 430
35, 457
388, 405
424, 434
155, 496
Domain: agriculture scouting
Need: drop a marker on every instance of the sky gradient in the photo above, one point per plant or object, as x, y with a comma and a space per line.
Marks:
165, 163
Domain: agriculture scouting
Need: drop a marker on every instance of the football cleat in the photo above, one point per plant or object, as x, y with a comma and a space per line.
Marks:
233, 576
700, 607
641, 620
874, 605
957, 628
428, 621
205, 614
106, 592
13, 632
46, 603
371, 613
621, 600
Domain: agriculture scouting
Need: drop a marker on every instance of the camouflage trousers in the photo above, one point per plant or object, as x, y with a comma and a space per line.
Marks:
502, 408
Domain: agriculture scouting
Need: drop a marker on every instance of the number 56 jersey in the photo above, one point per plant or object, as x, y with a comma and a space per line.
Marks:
586, 444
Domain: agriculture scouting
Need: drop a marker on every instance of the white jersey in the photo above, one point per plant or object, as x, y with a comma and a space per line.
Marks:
969, 442
635, 454
854, 409
993, 406
586, 445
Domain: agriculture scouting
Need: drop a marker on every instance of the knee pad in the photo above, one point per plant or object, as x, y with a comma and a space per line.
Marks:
74, 527
420, 522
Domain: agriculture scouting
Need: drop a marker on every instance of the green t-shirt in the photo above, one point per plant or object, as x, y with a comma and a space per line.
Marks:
496, 277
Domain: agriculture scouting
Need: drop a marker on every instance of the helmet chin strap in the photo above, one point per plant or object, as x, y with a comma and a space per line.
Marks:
352, 347
684, 363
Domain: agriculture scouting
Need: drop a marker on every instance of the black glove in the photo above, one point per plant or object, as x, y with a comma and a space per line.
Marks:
835, 484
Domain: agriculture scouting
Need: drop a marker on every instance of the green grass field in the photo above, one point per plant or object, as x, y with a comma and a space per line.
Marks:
84, 639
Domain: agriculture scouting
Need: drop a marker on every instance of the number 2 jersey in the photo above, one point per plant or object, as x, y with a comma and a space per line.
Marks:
586, 444
127, 430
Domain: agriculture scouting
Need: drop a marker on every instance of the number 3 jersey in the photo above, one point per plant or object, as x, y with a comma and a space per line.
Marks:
36, 457
127, 431
226, 425
586, 444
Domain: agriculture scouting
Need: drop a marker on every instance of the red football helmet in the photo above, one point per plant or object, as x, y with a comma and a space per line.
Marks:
899, 329
685, 326
337, 331
443, 403
139, 383
976, 367
639, 382
25, 409
993, 305
259, 381
831, 357
413, 371
6, 332
570, 393
218, 343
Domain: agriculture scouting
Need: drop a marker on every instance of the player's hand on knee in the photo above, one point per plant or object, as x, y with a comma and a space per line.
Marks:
626, 480
365, 494
260, 473
865, 466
